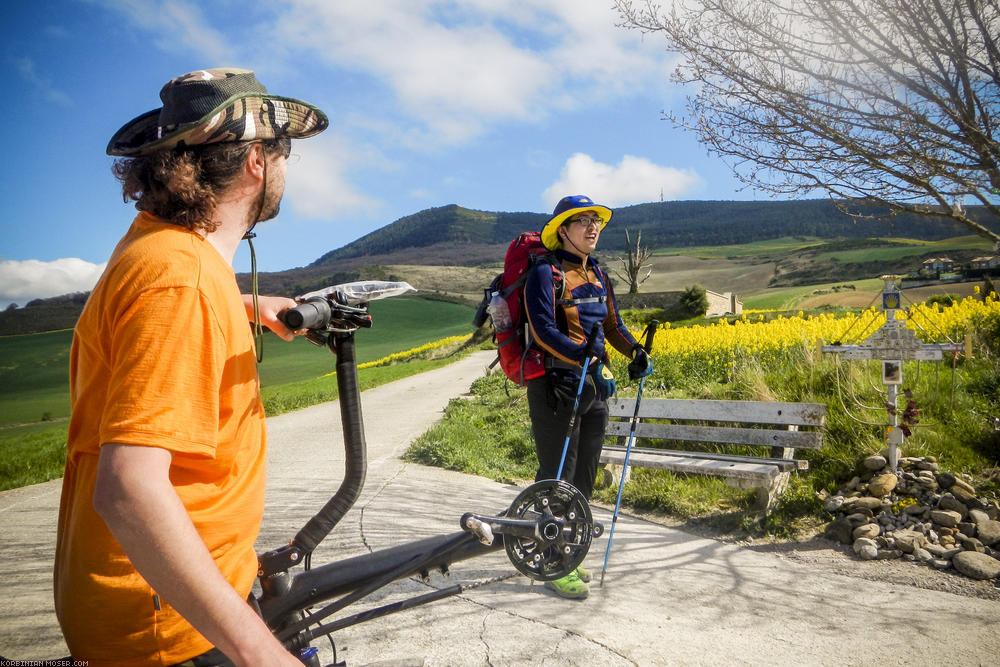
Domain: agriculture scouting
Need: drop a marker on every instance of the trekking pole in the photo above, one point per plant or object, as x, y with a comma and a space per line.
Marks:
587, 353
648, 345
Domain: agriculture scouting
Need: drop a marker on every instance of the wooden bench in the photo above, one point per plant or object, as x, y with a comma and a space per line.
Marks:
771, 429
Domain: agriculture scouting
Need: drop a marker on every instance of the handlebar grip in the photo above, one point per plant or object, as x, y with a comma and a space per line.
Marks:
313, 314
650, 331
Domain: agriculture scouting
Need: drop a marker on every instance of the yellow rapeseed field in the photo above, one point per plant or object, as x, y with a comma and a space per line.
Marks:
715, 346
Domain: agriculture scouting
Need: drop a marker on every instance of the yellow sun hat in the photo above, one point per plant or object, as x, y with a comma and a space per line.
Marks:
565, 209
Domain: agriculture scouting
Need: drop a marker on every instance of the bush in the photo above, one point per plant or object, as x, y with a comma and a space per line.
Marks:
695, 301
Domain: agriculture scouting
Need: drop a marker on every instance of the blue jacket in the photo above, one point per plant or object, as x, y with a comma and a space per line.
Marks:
560, 328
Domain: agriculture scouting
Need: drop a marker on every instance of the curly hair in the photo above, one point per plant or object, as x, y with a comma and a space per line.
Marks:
182, 186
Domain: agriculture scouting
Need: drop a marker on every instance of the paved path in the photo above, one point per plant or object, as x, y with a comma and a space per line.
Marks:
669, 598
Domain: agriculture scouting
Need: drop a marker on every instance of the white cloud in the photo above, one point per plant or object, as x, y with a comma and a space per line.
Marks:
634, 180
316, 186
23, 281
176, 26
458, 68
26, 68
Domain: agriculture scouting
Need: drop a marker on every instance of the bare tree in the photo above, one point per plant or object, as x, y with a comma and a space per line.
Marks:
634, 263
888, 102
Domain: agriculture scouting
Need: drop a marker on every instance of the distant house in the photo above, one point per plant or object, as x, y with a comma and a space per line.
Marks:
984, 263
726, 303
937, 265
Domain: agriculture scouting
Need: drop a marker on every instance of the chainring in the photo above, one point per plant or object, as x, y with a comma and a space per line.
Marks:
557, 553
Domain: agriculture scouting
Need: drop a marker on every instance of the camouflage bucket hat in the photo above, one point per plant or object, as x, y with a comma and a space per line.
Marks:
214, 106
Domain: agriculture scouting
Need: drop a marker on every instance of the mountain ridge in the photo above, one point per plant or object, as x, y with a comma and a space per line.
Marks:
662, 224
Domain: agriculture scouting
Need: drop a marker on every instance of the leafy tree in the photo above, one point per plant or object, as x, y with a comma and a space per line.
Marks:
634, 263
894, 103
695, 301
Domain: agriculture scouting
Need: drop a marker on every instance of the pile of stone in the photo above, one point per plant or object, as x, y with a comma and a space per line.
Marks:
917, 513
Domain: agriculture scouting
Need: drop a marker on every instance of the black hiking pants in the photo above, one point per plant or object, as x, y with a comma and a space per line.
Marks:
550, 404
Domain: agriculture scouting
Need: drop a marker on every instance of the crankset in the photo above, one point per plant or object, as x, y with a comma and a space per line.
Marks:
547, 529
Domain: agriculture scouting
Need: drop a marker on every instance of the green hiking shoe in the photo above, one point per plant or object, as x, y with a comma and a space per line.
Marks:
569, 587
583, 574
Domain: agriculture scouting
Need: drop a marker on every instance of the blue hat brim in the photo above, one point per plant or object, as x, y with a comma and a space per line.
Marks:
550, 232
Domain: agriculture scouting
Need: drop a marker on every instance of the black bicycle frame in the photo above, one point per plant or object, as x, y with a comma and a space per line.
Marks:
547, 531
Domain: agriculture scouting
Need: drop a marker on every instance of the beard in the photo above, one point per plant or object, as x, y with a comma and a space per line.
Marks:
271, 205
269, 202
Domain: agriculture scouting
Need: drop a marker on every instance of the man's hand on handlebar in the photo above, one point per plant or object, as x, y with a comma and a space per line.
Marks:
269, 307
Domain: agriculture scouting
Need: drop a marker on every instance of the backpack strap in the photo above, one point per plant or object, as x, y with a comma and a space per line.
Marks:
592, 299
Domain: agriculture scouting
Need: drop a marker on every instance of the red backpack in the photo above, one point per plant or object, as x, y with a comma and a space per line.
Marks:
504, 304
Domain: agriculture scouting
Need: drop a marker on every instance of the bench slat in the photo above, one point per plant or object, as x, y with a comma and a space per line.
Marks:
755, 412
784, 465
720, 434
759, 473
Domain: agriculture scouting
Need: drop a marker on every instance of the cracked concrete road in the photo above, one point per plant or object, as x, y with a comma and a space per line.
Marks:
669, 598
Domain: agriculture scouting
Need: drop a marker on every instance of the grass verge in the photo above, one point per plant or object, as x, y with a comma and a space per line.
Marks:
35, 453
489, 434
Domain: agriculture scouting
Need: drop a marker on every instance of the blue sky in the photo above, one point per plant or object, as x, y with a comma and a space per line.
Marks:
500, 105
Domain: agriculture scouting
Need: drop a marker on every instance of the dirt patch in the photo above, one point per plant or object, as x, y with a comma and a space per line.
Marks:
864, 298
719, 275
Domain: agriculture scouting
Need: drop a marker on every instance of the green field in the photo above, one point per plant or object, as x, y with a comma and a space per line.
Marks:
788, 298
398, 324
34, 378
34, 369
781, 245
905, 248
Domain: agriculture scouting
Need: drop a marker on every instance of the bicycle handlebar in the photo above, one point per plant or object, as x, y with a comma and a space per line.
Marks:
313, 314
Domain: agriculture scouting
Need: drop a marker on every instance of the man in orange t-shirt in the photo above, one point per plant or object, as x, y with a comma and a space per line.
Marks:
164, 484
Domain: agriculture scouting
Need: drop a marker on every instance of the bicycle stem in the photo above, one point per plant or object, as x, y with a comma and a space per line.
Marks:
355, 462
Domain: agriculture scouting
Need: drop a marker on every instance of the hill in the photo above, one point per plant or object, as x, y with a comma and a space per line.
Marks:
456, 236
450, 252
665, 224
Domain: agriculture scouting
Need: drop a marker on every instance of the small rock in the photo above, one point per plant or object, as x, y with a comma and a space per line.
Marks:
858, 518
946, 480
922, 555
840, 530
853, 484
940, 564
866, 531
962, 484
971, 544
947, 541
949, 502
988, 532
927, 464
946, 518
865, 503
866, 549
916, 510
883, 485
875, 462
889, 554
978, 516
976, 565
968, 498
908, 540
967, 528
936, 550
833, 503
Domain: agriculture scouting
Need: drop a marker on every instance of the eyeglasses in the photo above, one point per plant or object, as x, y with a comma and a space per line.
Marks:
587, 222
